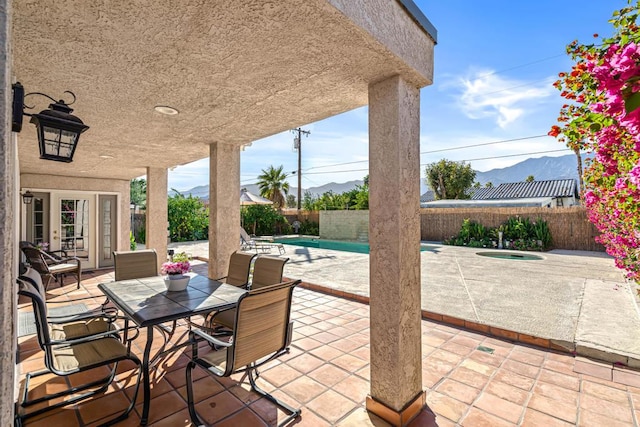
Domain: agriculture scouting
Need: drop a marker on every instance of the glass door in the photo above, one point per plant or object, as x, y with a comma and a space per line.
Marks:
37, 230
107, 230
72, 233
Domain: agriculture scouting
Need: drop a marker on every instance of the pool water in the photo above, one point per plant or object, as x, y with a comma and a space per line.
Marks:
336, 245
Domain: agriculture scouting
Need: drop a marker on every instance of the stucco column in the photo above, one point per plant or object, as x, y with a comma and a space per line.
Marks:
9, 203
157, 222
394, 235
224, 206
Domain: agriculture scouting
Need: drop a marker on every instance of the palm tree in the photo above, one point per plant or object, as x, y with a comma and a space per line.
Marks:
272, 185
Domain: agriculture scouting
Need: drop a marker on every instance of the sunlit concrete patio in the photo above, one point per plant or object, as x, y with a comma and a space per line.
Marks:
471, 379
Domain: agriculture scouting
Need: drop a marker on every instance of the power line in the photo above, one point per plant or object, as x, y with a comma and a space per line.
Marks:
437, 151
483, 144
507, 155
523, 65
468, 160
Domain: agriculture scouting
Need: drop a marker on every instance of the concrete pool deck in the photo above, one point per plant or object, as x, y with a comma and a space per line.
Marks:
576, 300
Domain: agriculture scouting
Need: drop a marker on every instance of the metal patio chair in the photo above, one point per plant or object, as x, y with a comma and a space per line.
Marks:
32, 276
237, 275
77, 347
267, 270
261, 333
135, 264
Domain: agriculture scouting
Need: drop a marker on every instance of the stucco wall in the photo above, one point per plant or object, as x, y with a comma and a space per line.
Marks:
344, 225
119, 186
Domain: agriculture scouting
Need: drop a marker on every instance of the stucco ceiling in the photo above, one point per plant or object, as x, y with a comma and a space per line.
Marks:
236, 70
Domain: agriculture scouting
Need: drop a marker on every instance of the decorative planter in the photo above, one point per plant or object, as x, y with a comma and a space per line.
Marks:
176, 282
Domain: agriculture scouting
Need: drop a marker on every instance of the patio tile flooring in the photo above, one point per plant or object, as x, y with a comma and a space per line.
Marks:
471, 379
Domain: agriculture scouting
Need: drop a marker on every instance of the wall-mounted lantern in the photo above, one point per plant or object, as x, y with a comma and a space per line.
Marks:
27, 197
58, 129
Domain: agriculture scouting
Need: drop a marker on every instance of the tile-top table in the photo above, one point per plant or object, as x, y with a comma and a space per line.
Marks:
147, 302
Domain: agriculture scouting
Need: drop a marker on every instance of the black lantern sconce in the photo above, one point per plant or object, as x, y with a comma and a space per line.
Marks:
58, 129
27, 197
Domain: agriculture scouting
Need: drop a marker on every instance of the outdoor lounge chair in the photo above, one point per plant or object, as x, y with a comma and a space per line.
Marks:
72, 348
261, 333
50, 267
135, 264
248, 243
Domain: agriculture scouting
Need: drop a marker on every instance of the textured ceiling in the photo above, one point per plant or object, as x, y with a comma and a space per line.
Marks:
236, 70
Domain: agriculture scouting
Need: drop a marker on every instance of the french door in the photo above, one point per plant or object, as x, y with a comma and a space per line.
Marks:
72, 226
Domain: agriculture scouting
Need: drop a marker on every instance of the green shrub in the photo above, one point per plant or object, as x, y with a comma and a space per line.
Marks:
132, 242
518, 233
263, 220
310, 228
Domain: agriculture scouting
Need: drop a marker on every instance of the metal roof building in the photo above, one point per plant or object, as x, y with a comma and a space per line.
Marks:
563, 191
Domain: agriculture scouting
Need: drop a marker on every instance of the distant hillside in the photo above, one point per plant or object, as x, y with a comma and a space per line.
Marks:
202, 191
542, 169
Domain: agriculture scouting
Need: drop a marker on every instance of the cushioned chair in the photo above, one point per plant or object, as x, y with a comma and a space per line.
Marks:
58, 255
32, 276
50, 267
135, 264
72, 348
261, 333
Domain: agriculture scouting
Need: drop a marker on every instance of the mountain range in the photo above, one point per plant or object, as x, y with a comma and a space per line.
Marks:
541, 168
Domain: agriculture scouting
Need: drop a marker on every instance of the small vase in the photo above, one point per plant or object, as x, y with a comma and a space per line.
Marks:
176, 282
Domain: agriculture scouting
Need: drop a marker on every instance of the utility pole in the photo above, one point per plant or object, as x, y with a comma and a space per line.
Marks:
297, 144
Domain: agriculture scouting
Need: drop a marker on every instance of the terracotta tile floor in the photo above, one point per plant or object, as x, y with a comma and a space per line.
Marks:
471, 379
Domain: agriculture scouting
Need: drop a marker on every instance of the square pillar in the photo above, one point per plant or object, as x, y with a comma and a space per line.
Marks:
157, 219
394, 235
224, 206
10, 202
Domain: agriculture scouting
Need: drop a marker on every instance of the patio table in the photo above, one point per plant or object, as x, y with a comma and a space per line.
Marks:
148, 304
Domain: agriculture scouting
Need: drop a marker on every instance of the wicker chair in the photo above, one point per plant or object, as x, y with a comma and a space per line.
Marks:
261, 333
51, 267
72, 348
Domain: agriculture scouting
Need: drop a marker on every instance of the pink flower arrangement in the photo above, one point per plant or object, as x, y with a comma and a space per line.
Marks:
173, 268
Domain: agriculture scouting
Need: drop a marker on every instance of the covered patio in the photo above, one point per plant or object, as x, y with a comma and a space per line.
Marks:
161, 86
472, 379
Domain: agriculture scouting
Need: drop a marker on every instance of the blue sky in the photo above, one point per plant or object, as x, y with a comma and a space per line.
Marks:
495, 63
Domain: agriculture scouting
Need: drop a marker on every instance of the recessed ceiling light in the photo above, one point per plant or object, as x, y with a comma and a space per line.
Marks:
164, 109
105, 156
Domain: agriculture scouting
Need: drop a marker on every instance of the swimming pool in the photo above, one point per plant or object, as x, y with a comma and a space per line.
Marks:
336, 245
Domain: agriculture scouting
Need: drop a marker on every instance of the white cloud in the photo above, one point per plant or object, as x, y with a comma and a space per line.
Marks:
483, 95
